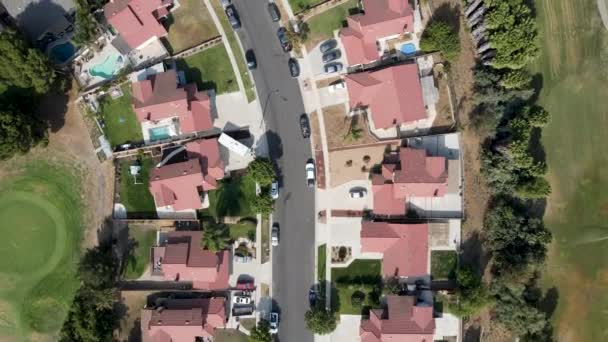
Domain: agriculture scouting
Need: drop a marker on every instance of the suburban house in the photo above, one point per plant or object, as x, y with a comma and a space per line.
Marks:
391, 96
402, 320
180, 257
165, 108
137, 21
184, 320
365, 37
181, 185
403, 248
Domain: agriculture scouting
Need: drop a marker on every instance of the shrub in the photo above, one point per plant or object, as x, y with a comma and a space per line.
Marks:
439, 36
262, 171
320, 320
357, 298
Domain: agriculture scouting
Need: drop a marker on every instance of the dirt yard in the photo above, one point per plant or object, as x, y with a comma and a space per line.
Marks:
338, 128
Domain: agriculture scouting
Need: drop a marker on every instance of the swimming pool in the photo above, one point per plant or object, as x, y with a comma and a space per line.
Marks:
63, 52
108, 68
159, 133
408, 49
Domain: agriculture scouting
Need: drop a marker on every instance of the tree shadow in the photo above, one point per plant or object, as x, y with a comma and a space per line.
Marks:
548, 303
228, 197
53, 108
135, 333
195, 75
473, 254
275, 145
449, 14
472, 334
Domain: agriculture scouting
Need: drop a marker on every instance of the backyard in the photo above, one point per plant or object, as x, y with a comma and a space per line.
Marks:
323, 25
41, 215
210, 69
188, 26
232, 198
141, 239
357, 286
120, 122
443, 264
574, 72
134, 192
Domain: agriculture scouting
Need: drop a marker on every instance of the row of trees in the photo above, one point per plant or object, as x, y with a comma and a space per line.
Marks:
440, 36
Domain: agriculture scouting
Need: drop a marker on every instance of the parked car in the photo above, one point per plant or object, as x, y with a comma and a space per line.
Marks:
332, 67
328, 45
274, 189
294, 67
252, 63
242, 258
285, 44
241, 300
310, 173
274, 235
274, 12
358, 192
226, 3
336, 86
304, 126
331, 56
274, 322
312, 297
233, 17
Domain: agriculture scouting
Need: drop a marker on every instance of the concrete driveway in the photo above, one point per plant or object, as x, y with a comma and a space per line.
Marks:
315, 58
347, 329
339, 197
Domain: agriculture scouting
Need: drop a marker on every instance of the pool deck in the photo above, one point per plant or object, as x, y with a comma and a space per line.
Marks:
148, 125
82, 65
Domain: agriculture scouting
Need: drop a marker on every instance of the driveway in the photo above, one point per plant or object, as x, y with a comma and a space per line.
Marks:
347, 329
315, 58
339, 197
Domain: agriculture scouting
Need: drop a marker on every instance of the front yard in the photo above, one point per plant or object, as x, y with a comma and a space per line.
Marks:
321, 260
358, 286
189, 25
233, 197
299, 5
245, 228
134, 193
443, 264
210, 69
120, 122
323, 25
141, 239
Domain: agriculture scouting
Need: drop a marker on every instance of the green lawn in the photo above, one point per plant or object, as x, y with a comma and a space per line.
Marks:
245, 228
360, 276
139, 258
321, 260
41, 225
189, 25
239, 55
299, 5
323, 25
210, 69
136, 196
230, 335
574, 67
265, 239
232, 198
121, 124
443, 264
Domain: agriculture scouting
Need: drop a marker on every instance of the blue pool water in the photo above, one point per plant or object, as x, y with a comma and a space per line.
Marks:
63, 52
108, 68
159, 133
408, 49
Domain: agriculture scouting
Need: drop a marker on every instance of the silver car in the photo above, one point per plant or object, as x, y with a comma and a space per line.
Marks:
333, 67
274, 235
274, 190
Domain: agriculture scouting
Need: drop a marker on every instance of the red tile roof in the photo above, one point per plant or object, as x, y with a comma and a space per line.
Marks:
183, 319
404, 247
401, 321
393, 95
413, 174
160, 97
136, 20
382, 18
183, 258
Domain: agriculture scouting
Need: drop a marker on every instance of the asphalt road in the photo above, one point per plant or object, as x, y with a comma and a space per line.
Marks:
281, 102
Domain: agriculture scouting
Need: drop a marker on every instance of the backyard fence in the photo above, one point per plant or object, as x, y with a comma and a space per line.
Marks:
319, 8
207, 44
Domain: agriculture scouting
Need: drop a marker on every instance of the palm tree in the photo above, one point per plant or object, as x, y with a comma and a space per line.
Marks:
215, 237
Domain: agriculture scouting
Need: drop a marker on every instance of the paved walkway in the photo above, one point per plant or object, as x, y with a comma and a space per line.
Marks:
601, 5
220, 29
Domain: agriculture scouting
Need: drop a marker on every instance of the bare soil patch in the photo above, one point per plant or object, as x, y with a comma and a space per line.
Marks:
350, 164
133, 302
315, 131
327, 81
338, 127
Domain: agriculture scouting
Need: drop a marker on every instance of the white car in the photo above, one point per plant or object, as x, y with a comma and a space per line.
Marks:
274, 235
310, 173
274, 190
241, 300
274, 322
358, 192
337, 86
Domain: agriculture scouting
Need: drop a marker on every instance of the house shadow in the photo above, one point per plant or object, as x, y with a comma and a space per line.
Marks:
44, 21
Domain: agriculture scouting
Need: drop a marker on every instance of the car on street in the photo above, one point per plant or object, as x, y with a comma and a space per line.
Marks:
331, 56
233, 17
242, 258
274, 322
294, 67
332, 67
226, 3
274, 189
312, 297
274, 12
252, 63
310, 173
305, 126
274, 235
285, 44
358, 192
241, 300
337, 86
328, 45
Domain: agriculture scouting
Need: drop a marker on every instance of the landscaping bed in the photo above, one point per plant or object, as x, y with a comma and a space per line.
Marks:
188, 26
358, 286
245, 228
134, 193
300, 5
119, 119
321, 261
443, 264
209, 69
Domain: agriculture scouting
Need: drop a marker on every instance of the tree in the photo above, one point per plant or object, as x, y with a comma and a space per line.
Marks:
262, 171
439, 36
294, 39
98, 267
535, 187
263, 204
320, 320
516, 307
471, 295
261, 332
86, 28
216, 236
23, 66
16, 134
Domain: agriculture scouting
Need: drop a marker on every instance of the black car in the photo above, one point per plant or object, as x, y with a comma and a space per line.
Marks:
282, 34
274, 12
233, 17
251, 61
331, 56
328, 45
312, 298
305, 126
294, 67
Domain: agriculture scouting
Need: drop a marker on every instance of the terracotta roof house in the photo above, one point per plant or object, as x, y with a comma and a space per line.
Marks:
182, 258
404, 247
183, 320
391, 95
382, 19
181, 186
401, 321
410, 173
160, 97
137, 20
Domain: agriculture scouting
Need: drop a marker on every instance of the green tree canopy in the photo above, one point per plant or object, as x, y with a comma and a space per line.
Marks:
16, 134
215, 237
262, 171
439, 36
471, 294
86, 27
261, 332
263, 204
320, 320
22, 66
